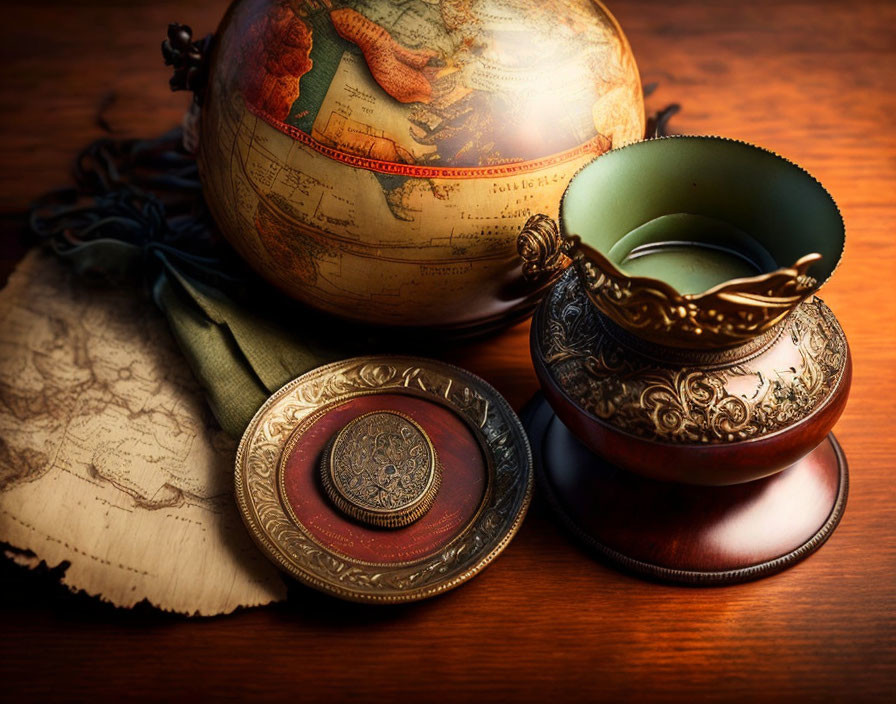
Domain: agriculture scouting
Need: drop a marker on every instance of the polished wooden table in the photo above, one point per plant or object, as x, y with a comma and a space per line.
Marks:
811, 80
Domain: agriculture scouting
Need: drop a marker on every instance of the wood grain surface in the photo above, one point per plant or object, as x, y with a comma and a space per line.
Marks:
811, 80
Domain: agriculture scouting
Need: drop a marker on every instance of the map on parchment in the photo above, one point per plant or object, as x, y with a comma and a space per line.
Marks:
377, 159
109, 458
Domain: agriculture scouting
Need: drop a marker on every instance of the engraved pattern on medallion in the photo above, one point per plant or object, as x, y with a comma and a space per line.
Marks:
296, 550
382, 462
684, 404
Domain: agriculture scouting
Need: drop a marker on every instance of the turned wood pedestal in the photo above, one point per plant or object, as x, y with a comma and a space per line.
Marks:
700, 535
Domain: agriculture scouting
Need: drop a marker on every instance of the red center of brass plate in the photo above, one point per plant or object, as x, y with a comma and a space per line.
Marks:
464, 479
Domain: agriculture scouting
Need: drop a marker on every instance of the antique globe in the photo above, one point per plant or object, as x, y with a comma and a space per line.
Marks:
376, 160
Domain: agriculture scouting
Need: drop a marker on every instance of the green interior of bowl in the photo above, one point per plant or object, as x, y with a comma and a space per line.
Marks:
698, 211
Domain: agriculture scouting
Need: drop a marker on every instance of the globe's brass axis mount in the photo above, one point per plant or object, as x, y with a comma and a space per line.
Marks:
382, 469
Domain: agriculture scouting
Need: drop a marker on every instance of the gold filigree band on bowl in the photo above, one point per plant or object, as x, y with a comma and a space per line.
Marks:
280, 424
743, 398
691, 242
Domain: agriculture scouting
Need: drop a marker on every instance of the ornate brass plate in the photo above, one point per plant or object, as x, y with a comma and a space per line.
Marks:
280, 429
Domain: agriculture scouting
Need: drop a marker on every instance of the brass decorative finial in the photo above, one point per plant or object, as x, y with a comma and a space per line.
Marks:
189, 59
542, 247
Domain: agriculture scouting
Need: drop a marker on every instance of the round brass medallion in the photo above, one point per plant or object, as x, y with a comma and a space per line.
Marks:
382, 469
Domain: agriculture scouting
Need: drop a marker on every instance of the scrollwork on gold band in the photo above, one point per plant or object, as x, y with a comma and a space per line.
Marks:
724, 316
292, 547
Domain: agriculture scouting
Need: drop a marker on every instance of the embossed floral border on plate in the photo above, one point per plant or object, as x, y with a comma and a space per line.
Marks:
289, 545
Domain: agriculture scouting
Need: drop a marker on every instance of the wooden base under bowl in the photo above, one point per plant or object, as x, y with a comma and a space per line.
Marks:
698, 535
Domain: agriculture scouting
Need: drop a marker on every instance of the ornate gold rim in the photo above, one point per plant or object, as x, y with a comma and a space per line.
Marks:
726, 315
384, 518
282, 538
683, 320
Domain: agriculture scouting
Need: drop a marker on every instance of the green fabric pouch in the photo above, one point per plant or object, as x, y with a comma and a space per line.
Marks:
239, 355
136, 213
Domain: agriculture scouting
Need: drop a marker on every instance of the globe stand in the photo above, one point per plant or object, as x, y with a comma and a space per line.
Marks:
696, 535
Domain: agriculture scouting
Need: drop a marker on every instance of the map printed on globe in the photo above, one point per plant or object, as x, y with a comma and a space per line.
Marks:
377, 159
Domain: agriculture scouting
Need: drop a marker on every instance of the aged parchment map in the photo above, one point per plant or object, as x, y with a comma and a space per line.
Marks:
109, 458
